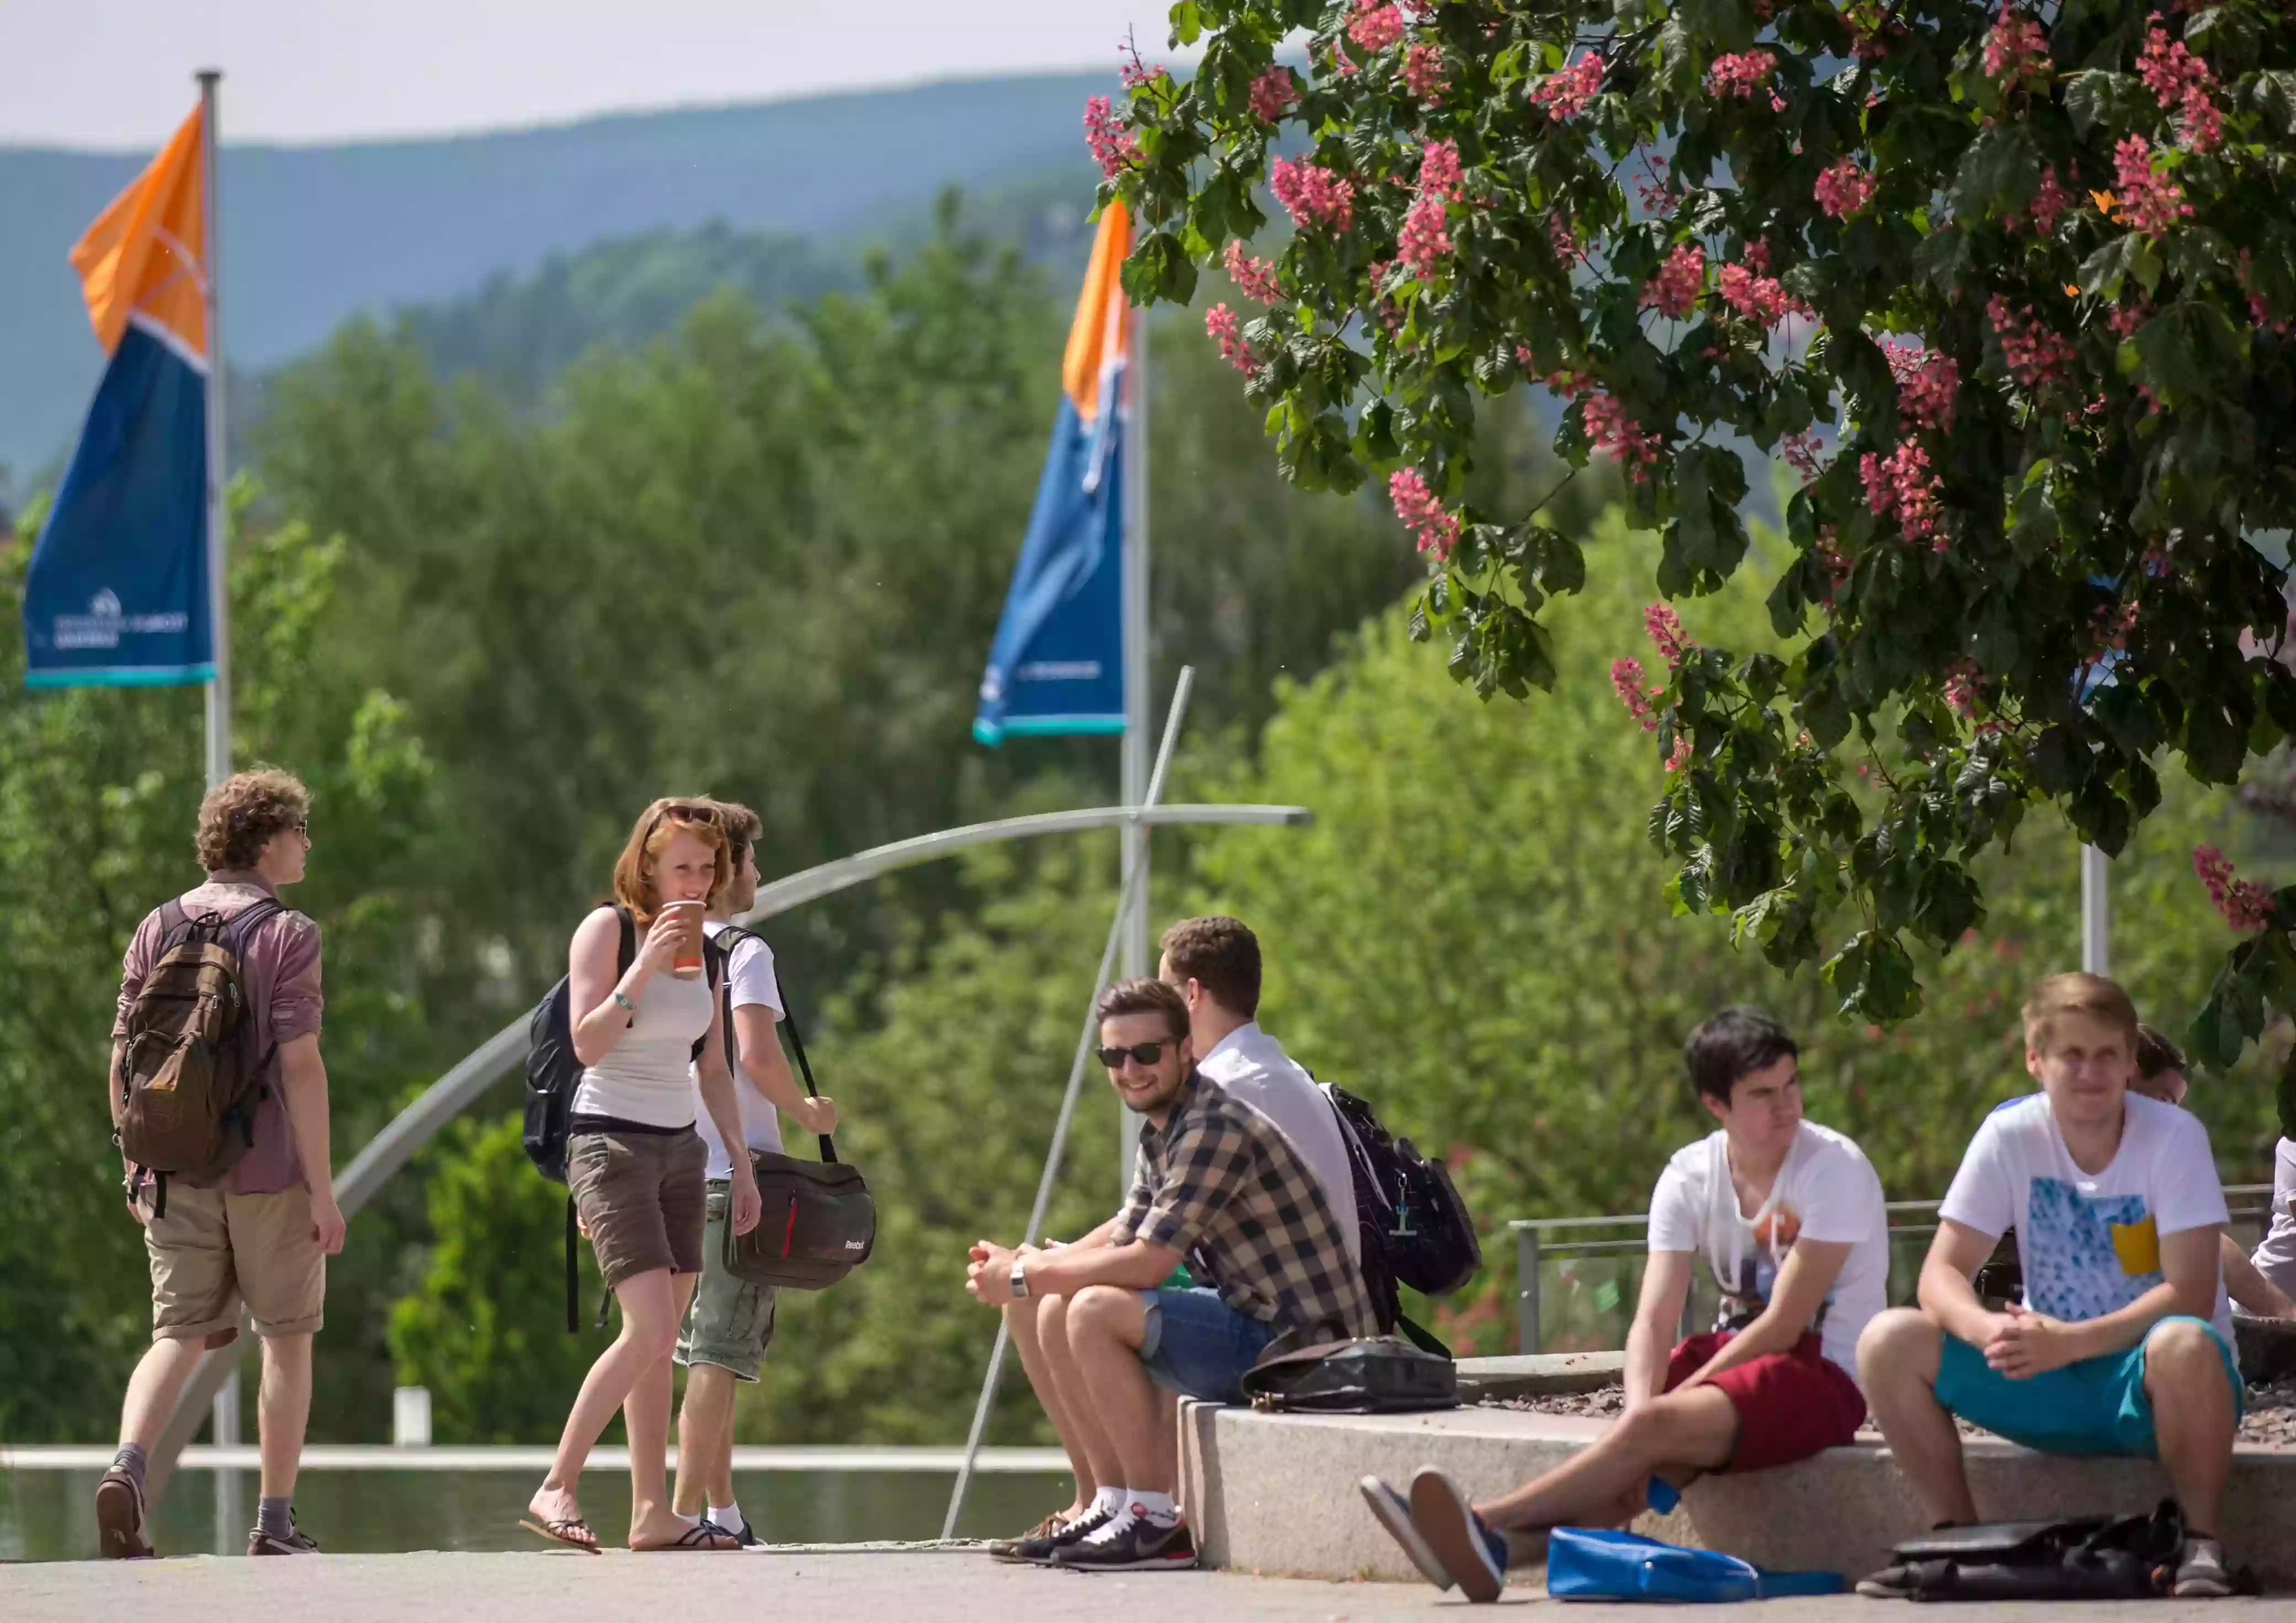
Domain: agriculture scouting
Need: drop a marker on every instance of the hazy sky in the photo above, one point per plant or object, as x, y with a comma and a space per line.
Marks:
116, 73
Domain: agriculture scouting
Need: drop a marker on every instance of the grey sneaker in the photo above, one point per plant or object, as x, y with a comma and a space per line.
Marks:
1392, 1511
1473, 1555
297, 1543
2200, 1571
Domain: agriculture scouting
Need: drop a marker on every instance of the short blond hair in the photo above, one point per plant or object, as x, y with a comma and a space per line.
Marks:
2077, 994
635, 884
244, 813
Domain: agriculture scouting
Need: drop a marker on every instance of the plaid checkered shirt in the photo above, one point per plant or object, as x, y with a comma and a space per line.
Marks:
1220, 1180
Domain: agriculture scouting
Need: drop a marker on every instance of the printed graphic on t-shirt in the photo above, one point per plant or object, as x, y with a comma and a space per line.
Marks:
2087, 1255
1744, 1298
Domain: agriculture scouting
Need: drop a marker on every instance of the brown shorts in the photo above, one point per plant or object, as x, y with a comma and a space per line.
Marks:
213, 1251
642, 1198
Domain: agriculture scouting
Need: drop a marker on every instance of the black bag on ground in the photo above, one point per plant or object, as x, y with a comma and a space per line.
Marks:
815, 1222
552, 1073
2095, 1558
1411, 1225
1376, 1376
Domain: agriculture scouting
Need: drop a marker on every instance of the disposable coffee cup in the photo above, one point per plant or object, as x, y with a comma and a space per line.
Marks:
685, 963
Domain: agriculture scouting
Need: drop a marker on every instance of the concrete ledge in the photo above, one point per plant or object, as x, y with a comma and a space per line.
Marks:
1277, 1494
1539, 1374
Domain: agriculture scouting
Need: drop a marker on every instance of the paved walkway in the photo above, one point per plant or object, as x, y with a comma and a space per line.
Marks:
848, 1585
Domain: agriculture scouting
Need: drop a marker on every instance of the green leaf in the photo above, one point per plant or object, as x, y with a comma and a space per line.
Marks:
1187, 23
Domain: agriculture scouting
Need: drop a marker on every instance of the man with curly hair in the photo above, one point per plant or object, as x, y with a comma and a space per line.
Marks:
260, 1235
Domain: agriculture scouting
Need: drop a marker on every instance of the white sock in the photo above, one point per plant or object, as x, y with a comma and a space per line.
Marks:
1109, 1499
1157, 1508
727, 1516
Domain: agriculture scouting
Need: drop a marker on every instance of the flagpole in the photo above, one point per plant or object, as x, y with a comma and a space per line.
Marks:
1135, 958
219, 707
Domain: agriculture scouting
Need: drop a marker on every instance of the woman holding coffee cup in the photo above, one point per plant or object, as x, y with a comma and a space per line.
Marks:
634, 1162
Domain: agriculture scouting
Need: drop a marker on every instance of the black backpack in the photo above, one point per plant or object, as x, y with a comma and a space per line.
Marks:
1414, 1227
552, 1073
2097, 1558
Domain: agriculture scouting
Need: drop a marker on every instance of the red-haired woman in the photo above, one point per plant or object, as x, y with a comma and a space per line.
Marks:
635, 1163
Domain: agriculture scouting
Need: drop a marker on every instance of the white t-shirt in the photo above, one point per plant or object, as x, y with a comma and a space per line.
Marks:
2275, 1256
2089, 1245
1253, 1065
750, 974
1827, 1190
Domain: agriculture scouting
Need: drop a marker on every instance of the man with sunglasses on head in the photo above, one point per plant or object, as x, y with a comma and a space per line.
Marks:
1217, 1178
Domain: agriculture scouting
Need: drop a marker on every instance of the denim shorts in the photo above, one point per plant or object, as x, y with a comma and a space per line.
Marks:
1198, 1346
2098, 1405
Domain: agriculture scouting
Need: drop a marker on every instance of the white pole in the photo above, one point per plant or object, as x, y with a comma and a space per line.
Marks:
1034, 1233
1136, 959
218, 751
2096, 912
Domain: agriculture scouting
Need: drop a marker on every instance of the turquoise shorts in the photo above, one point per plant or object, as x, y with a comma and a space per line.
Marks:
2097, 1406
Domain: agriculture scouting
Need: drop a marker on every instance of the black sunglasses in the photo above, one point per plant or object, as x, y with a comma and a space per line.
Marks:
1147, 1053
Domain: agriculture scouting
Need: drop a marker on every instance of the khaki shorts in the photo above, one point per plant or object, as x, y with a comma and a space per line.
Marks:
731, 1322
213, 1251
640, 1197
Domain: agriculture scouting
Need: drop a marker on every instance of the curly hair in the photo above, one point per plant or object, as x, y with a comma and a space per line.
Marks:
241, 814
635, 886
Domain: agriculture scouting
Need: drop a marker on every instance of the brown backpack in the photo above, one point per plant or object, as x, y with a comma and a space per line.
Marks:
191, 1078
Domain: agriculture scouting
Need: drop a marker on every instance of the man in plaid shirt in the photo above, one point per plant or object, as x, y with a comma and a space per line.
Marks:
1216, 1179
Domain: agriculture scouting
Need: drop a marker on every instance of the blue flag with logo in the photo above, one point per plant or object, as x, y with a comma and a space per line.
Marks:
1057, 663
116, 590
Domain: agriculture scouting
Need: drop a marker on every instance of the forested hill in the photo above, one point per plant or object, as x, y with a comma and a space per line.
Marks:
312, 234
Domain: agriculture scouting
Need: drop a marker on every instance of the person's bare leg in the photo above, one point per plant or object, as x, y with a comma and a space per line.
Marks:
1055, 1331
1021, 1323
2193, 1419
282, 1410
154, 1389
645, 1412
1167, 1429
1106, 1328
705, 1439
1697, 1427
604, 1389
1897, 1359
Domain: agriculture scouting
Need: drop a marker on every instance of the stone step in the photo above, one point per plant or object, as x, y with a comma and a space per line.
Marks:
1277, 1494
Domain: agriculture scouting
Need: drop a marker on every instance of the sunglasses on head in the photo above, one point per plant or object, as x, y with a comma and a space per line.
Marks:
1146, 1054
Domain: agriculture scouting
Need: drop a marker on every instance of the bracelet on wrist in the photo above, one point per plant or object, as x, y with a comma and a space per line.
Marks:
625, 1002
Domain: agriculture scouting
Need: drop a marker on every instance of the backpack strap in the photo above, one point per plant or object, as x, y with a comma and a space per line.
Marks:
797, 1040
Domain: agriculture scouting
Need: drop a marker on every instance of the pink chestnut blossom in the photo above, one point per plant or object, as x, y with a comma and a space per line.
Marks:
1424, 244
1376, 25
1424, 76
1843, 188
1926, 383
1679, 756
1616, 434
2016, 49
1759, 299
1627, 682
2050, 200
1675, 290
1570, 91
2245, 905
2150, 203
1901, 484
2037, 353
1802, 452
1113, 147
1225, 327
1740, 74
1665, 629
1273, 93
1253, 278
2179, 79
1314, 195
1416, 506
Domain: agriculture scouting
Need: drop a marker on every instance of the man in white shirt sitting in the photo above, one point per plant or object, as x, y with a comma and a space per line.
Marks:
1215, 963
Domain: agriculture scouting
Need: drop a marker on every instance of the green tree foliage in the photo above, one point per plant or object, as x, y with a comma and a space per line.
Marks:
1457, 936
2012, 291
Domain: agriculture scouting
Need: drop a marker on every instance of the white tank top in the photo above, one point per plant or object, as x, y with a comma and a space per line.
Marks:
647, 1078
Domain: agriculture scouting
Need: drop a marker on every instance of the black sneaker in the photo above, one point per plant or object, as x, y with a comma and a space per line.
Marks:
296, 1543
1051, 1535
1133, 1543
1474, 1556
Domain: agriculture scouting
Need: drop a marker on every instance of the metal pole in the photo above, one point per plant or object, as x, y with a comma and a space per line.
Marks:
1526, 1289
219, 742
1137, 885
2096, 912
1045, 1180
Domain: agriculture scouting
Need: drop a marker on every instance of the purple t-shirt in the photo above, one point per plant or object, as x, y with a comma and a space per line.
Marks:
281, 959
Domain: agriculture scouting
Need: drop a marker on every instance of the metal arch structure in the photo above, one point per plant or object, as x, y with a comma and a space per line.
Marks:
459, 1089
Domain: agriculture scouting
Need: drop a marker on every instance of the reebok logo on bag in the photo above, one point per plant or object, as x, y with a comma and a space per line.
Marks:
190, 1078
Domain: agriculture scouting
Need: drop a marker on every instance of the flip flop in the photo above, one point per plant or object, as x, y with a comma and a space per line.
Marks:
562, 1532
703, 1535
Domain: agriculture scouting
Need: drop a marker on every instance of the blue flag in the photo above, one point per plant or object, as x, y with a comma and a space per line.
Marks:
1057, 663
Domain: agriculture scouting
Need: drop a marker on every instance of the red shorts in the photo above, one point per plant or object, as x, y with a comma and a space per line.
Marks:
1791, 1405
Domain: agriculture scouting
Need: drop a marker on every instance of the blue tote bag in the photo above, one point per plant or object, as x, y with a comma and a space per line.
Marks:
1598, 1564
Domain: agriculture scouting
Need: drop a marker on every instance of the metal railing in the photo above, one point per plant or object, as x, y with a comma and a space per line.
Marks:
1595, 1268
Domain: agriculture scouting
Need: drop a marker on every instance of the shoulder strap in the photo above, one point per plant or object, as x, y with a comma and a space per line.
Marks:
243, 922
626, 952
789, 1024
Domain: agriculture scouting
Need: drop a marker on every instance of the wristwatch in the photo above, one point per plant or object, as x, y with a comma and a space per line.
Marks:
1019, 1277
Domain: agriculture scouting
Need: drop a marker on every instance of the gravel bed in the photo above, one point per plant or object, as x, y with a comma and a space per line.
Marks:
2271, 1416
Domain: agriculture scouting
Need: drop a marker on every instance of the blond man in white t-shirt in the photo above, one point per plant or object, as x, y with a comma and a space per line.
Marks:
2123, 1343
730, 1321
